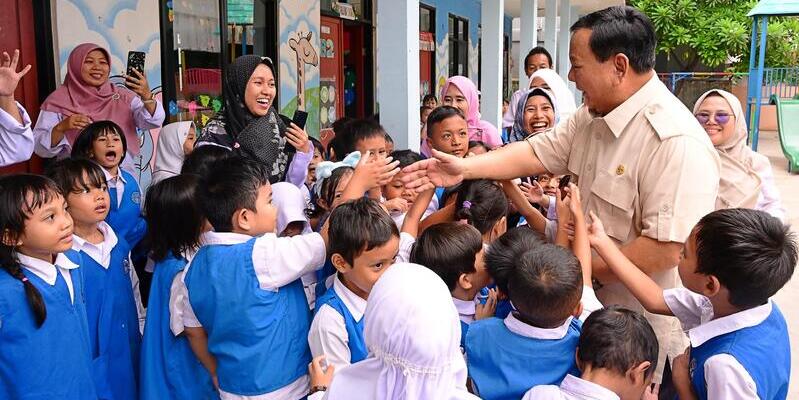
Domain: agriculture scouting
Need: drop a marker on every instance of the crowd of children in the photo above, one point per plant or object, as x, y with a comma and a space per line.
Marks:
346, 283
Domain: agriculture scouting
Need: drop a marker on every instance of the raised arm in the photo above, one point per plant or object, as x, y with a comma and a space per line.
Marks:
412, 218
534, 218
580, 246
640, 284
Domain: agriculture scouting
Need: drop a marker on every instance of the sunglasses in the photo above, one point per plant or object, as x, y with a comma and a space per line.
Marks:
721, 118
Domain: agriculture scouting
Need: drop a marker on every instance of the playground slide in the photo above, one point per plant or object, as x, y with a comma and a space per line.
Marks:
788, 126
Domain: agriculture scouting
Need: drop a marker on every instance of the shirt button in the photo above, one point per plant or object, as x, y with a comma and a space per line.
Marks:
589, 167
665, 208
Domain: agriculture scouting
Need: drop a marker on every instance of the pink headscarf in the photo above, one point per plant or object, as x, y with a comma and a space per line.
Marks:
478, 129
107, 102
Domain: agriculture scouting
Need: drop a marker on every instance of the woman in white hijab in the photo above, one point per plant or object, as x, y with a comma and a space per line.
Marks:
547, 79
175, 142
413, 334
746, 176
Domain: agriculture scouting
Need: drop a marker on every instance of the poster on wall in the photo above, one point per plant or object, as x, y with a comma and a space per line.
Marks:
119, 27
299, 60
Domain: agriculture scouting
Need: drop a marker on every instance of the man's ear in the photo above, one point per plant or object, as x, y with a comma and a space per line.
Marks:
340, 263
621, 64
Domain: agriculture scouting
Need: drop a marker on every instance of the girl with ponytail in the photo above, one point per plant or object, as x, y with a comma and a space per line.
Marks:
44, 336
482, 204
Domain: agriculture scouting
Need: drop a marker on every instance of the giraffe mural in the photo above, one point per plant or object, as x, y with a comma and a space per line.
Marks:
305, 54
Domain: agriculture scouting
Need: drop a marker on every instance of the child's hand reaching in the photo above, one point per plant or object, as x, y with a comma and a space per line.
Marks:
320, 372
487, 310
397, 205
534, 193
370, 173
681, 375
596, 231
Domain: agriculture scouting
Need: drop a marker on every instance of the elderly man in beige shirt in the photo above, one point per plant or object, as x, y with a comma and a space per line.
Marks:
641, 160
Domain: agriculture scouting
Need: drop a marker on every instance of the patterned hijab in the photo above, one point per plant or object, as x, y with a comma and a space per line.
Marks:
259, 138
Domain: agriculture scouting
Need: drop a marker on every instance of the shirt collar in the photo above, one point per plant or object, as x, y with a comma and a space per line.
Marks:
585, 389
99, 252
730, 323
120, 176
354, 303
224, 238
520, 328
465, 308
620, 117
44, 269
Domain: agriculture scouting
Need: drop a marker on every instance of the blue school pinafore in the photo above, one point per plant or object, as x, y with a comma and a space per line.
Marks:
169, 368
52, 361
113, 324
259, 337
504, 365
764, 350
355, 340
126, 218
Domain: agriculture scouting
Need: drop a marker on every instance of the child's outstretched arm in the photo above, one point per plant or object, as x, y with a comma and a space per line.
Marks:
445, 214
640, 284
580, 246
564, 218
411, 223
371, 172
534, 218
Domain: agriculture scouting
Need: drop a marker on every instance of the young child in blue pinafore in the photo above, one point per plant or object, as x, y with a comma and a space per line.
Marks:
104, 143
733, 262
44, 337
364, 243
169, 368
110, 302
454, 251
535, 344
247, 316
617, 354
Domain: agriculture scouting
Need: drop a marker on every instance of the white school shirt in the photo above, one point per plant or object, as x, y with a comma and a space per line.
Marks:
47, 272
117, 183
572, 388
399, 218
328, 333
406, 243
725, 377
590, 304
277, 262
101, 253
466, 310
16, 139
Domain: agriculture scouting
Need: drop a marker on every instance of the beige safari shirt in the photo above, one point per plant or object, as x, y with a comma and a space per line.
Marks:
646, 168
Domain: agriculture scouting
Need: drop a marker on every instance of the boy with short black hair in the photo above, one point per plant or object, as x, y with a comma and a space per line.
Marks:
616, 355
733, 262
364, 243
447, 131
535, 343
361, 135
247, 315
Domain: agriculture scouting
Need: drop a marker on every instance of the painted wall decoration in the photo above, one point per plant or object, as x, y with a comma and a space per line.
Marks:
119, 26
299, 22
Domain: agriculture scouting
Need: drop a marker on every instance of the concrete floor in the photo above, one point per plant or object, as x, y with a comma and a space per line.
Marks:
788, 297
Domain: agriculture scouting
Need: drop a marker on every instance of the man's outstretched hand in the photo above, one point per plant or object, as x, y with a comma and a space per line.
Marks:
441, 170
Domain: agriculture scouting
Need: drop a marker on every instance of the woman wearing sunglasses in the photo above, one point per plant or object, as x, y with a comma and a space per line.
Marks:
746, 176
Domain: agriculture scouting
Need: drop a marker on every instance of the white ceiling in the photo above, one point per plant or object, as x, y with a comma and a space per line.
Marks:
514, 9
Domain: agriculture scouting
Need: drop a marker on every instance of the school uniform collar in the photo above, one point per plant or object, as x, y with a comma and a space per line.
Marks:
520, 328
43, 269
224, 238
354, 303
731, 323
119, 178
581, 388
466, 309
620, 117
101, 253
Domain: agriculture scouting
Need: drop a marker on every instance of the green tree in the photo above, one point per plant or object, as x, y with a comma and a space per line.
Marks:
717, 32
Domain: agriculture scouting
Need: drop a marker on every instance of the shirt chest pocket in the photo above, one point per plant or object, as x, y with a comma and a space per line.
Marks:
613, 197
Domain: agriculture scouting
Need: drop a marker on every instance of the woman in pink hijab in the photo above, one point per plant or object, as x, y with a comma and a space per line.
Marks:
461, 93
87, 96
